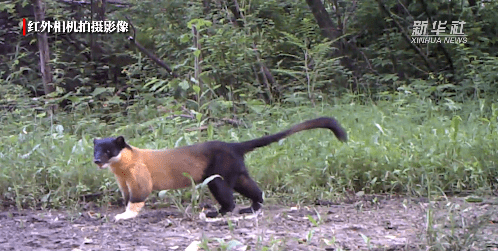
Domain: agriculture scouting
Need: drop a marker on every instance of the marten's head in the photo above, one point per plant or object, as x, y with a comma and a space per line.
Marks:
108, 150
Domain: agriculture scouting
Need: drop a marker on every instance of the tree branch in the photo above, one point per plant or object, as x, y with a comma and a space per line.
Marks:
148, 53
439, 45
406, 37
116, 3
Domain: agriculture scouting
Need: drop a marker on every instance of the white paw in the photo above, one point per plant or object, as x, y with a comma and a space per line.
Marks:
126, 215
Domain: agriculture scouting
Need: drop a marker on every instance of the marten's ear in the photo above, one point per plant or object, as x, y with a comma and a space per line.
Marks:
120, 141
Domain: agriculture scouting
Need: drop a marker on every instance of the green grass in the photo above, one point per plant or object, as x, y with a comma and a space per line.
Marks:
394, 147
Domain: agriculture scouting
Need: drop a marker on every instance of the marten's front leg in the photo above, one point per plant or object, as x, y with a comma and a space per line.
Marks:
139, 186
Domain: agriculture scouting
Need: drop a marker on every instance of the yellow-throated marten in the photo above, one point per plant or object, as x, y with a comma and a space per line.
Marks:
139, 171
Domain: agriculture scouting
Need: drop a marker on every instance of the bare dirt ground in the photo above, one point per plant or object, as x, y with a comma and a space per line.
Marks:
375, 222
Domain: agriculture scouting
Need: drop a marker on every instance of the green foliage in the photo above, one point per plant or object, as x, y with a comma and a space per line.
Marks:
412, 129
420, 122
408, 145
390, 150
284, 36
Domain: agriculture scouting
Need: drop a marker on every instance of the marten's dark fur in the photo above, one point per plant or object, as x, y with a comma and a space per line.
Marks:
140, 171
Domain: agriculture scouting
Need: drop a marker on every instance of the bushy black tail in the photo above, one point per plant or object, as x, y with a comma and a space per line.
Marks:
323, 122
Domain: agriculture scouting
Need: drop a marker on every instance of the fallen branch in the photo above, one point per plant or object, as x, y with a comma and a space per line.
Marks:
90, 196
220, 122
120, 90
368, 63
116, 3
182, 116
204, 127
233, 122
151, 55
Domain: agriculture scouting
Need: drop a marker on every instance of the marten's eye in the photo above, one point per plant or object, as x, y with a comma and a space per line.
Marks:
108, 152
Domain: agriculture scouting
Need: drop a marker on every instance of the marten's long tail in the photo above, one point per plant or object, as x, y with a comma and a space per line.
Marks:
323, 122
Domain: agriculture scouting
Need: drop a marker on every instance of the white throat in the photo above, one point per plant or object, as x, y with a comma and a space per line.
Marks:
112, 160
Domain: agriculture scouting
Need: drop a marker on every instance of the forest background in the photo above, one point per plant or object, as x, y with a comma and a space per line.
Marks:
421, 118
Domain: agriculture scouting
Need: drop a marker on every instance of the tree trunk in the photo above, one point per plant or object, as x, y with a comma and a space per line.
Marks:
233, 5
48, 85
207, 6
332, 32
98, 8
473, 6
323, 19
197, 64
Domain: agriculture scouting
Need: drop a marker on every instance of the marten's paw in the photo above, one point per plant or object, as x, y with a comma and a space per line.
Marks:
126, 215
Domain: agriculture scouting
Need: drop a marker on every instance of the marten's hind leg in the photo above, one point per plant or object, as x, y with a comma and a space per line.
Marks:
248, 188
223, 193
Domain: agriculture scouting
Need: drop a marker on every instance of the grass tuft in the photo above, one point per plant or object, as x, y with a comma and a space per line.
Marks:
413, 148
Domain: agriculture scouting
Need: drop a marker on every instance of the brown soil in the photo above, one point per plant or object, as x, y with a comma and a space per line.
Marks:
384, 223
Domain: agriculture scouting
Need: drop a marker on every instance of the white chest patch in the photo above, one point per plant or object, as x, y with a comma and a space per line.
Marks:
114, 159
